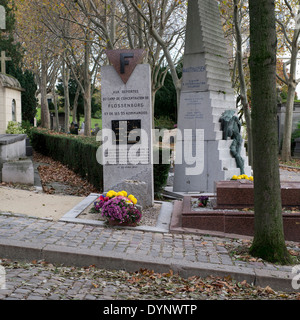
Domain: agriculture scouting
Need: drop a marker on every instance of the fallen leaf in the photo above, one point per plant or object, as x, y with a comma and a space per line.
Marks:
268, 290
169, 292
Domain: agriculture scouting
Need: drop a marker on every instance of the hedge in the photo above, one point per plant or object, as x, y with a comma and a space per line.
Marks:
79, 154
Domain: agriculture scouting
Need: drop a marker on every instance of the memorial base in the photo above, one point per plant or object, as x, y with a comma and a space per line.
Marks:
240, 194
217, 222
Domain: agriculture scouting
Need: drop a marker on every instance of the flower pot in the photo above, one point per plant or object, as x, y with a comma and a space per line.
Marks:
123, 224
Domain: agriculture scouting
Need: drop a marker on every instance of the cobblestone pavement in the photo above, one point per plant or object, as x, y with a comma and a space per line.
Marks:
81, 245
65, 260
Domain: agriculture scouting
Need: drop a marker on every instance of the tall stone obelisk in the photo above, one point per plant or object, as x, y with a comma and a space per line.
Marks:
206, 93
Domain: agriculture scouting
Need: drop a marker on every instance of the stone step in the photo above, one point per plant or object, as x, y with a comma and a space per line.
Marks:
231, 172
213, 40
217, 36
219, 76
217, 68
219, 97
212, 26
219, 86
217, 58
209, 7
209, 15
228, 163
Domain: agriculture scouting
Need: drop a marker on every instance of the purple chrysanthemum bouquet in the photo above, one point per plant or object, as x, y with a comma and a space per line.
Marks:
121, 209
98, 204
116, 206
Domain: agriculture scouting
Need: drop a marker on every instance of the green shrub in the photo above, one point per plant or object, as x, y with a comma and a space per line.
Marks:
160, 172
164, 122
14, 127
79, 154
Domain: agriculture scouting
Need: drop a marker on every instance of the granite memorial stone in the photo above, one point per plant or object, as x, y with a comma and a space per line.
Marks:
126, 152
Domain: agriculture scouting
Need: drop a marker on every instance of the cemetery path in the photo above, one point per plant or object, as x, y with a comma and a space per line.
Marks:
37, 204
35, 240
44, 242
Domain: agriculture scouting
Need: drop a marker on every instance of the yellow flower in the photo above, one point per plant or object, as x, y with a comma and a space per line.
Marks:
234, 177
124, 193
132, 198
251, 178
120, 193
109, 194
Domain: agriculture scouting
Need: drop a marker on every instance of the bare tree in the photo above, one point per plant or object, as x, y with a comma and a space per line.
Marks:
237, 17
291, 39
157, 15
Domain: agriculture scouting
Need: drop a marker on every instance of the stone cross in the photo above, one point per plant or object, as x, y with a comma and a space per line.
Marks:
3, 60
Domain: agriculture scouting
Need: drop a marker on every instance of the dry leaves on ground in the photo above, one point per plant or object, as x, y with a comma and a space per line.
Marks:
53, 171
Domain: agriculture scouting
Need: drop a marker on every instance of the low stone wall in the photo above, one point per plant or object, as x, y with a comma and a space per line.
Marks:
231, 222
240, 194
15, 167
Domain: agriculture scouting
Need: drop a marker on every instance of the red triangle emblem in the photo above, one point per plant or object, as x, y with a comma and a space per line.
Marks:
125, 61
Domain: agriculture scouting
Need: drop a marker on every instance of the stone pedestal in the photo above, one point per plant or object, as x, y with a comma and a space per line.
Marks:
206, 93
240, 194
15, 167
20, 171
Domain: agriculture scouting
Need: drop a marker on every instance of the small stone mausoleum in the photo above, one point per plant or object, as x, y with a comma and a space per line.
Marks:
10, 101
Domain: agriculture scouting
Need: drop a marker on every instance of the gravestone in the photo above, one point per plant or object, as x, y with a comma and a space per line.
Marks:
206, 94
126, 152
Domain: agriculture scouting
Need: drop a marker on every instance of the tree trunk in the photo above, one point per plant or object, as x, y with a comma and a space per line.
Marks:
153, 104
45, 115
268, 242
286, 153
87, 95
66, 76
87, 110
243, 89
75, 105
55, 108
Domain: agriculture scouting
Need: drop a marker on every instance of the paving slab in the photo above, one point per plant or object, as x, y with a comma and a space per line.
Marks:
30, 239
